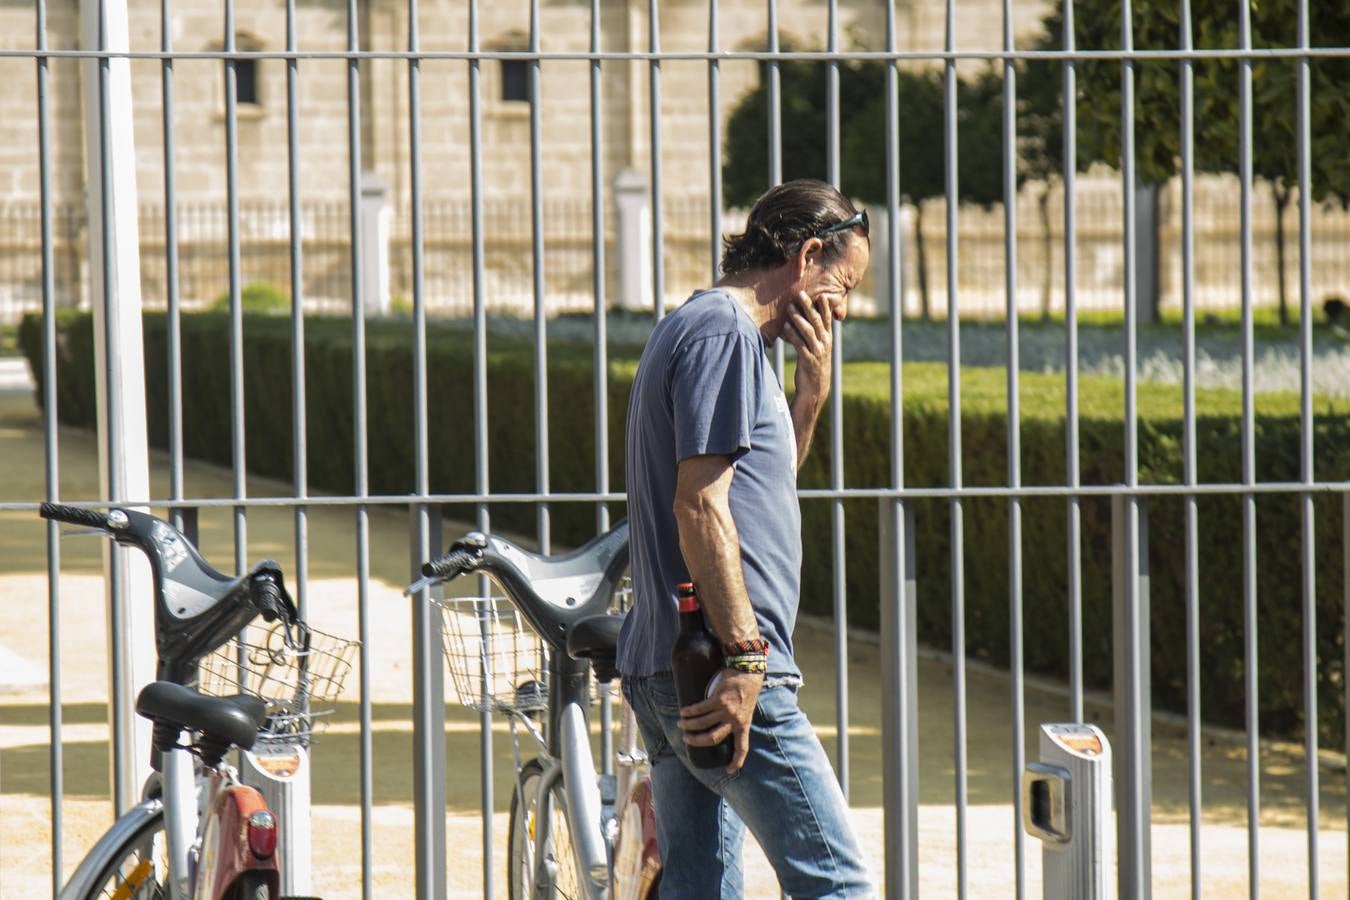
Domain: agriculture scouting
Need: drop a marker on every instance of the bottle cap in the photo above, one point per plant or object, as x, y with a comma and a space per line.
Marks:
688, 597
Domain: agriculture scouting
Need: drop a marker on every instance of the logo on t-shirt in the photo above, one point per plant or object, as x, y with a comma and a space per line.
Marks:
780, 403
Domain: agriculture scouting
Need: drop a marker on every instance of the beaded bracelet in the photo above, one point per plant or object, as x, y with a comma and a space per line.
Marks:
752, 663
753, 646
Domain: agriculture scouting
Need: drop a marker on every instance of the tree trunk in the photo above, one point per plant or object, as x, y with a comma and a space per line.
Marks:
1281, 201
1046, 267
924, 309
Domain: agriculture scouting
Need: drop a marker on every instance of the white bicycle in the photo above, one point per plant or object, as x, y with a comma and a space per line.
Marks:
575, 832
200, 832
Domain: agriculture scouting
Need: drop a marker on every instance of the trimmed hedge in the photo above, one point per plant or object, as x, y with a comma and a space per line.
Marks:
328, 354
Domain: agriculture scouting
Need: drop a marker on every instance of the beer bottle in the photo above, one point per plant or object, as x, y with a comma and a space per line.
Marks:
696, 660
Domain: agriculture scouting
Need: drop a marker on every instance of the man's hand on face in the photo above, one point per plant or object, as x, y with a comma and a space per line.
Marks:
727, 712
809, 330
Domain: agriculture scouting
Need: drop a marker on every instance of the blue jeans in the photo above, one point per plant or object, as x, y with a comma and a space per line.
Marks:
786, 793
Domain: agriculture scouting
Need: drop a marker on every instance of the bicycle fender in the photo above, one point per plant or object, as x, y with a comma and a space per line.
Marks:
225, 853
637, 859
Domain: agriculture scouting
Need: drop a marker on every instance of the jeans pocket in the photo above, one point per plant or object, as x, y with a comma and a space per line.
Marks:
777, 703
661, 692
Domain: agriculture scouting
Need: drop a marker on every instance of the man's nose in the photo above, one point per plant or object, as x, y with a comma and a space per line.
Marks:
840, 309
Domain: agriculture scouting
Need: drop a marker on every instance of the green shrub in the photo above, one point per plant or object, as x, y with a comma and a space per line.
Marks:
984, 424
256, 297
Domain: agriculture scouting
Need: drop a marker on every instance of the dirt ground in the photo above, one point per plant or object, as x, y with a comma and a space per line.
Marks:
25, 811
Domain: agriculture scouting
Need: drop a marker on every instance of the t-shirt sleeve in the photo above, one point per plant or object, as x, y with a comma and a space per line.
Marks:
715, 391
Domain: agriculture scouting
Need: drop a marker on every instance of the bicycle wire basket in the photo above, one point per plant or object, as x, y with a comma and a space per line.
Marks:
301, 685
495, 659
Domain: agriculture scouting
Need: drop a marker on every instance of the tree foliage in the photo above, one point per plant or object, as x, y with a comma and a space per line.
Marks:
1157, 105
1156, 25
863, 140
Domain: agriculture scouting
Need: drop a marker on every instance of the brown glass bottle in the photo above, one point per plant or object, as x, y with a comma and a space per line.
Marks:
695, 660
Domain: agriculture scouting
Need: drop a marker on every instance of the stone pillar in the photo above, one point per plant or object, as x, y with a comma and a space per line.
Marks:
634, 240
376, 217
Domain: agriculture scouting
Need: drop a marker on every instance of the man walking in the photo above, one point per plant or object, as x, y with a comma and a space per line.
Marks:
712, 458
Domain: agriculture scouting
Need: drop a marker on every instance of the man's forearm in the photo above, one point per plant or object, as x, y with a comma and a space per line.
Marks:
712, 552
805, 412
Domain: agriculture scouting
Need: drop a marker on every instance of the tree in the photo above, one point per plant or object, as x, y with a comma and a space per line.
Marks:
1214, 25
862, 96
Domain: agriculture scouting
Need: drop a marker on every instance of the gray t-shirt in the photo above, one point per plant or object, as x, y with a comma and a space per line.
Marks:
705, 386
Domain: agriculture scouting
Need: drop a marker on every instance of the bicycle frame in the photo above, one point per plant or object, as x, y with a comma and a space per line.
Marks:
595, 825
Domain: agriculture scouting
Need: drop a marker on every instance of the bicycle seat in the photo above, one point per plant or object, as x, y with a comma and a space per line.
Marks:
594, 638
554, 592
220, 720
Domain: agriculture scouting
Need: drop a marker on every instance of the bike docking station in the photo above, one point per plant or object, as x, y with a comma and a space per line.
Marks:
1067, 803
280, 772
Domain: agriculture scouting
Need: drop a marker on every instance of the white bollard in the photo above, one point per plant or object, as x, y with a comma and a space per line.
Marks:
1066, 802
635, 240
280, 772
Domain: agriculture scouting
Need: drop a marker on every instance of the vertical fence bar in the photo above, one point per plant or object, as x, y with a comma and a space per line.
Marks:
237, 439
658, 216
1248, 457
173, 336
299, 422
601, 347
51, 456
1187, 88
1132, 689
1345, 617
1071, 464
480, 426
775, 138
359, 452
899, 632
540, 299
832, 165
428, 675
900, 706
1133, 811
954, 449
1015, 661
714, 143
1306, 426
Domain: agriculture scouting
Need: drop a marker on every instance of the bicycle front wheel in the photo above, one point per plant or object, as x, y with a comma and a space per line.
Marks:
131, 862
559, 863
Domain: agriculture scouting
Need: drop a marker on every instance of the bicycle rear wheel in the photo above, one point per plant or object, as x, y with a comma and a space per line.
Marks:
136, 869
520, 851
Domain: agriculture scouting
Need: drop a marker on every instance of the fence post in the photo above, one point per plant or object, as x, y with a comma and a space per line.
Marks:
1131, 693
124, 461
635, 240
900, 700
428, 712
375, 223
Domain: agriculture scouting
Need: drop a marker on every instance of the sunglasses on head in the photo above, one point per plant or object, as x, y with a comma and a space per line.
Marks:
858, 218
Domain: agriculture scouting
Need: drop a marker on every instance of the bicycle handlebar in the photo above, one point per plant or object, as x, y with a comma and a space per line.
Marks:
74, 515
451, 565
196, 607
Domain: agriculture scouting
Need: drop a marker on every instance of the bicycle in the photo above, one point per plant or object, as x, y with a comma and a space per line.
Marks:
573, 832
198, 831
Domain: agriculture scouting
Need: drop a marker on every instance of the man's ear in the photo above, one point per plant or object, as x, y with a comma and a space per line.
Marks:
810, 247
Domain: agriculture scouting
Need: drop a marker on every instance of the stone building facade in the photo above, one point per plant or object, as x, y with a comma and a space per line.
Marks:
199, 109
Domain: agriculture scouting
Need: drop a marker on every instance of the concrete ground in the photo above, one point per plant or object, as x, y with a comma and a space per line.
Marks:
25, 812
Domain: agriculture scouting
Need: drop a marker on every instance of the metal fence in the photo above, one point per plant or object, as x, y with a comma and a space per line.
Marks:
300, 268
265, 249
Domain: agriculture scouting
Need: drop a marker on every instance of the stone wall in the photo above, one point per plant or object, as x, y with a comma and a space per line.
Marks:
199, 109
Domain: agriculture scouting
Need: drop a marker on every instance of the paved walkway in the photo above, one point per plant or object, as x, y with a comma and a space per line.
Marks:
24, 804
